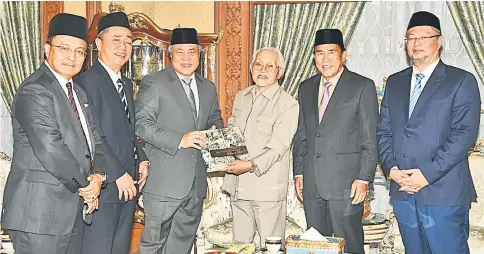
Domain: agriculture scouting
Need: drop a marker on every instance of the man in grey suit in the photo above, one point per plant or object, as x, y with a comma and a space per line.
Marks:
335, 151
172, 106
58, 154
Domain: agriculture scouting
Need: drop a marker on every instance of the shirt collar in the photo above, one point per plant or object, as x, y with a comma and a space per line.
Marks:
428, 71
334, 80
113, 75
59, 78
269, 93
182, 77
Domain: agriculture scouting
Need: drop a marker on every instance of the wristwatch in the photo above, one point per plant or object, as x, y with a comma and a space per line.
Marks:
104, 178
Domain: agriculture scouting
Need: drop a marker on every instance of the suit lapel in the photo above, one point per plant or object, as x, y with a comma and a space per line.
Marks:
341, 87
128, 88
203, 104
82, 99
65, 105
314, 98
179, 92
432, 84
405, 90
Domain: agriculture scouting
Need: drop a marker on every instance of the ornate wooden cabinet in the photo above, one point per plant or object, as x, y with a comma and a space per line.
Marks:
150, 48
150, 54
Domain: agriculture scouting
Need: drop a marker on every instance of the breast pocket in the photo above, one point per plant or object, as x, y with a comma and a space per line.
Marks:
265, 124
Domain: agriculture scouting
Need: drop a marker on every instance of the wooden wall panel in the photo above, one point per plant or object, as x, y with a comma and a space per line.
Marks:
48, 9
92, 8
233, 52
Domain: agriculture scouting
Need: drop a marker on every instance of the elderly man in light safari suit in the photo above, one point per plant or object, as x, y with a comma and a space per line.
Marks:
267, 116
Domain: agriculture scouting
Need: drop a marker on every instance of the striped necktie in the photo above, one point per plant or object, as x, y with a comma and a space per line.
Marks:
417, 90
190, 95
122, 95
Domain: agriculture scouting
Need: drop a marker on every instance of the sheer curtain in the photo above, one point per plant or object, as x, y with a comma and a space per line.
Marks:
291, 29
20, 40
377, 49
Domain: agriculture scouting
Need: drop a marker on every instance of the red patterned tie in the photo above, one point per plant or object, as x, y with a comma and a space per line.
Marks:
70, 96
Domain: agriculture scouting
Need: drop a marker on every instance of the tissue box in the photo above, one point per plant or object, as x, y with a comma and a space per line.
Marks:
294, 245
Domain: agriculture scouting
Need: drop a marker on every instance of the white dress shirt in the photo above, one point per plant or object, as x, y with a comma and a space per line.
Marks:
82, 118
194, 88
427, 73
113, 75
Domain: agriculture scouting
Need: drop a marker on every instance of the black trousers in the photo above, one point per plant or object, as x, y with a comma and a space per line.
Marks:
336, 217
111, 228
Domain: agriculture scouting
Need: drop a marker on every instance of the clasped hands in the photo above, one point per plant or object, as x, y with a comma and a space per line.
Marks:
91, 192
410, 180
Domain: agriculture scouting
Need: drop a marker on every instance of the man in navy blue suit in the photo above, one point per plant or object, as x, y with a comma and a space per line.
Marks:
429, 120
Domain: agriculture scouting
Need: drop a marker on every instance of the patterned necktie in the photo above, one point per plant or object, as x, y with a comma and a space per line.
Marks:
325, 100
122, 95
417, 90
70, 96
190, 95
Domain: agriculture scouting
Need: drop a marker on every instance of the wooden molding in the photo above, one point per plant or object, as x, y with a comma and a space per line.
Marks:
92, 8
234, 51
48, 9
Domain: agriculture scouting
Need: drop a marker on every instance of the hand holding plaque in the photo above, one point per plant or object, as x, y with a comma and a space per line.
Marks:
222, 147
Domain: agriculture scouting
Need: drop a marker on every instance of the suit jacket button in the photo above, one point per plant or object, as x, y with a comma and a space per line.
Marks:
318, 135
318, 155
404, 155
193, 155
88, 156
407, 135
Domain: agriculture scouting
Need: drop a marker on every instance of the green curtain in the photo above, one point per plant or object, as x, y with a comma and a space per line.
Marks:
469, 20
291, 29
20, 44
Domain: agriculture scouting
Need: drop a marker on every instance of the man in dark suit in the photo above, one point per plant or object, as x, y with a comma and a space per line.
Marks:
111, 98
334, 150
172, 106
429, 120
57, 149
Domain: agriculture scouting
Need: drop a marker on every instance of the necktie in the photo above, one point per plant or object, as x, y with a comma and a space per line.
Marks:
417, 90
190, 95
325, 100
70, 96
122, 95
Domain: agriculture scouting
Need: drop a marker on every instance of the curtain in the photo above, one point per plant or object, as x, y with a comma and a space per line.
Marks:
291, 29
20, 44
469, 21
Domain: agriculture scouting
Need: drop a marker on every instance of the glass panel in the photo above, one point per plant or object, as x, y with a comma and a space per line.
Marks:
146, 58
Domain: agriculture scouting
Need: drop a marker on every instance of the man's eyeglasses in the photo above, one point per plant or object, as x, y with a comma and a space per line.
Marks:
268, 67
421, 39
68, 51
